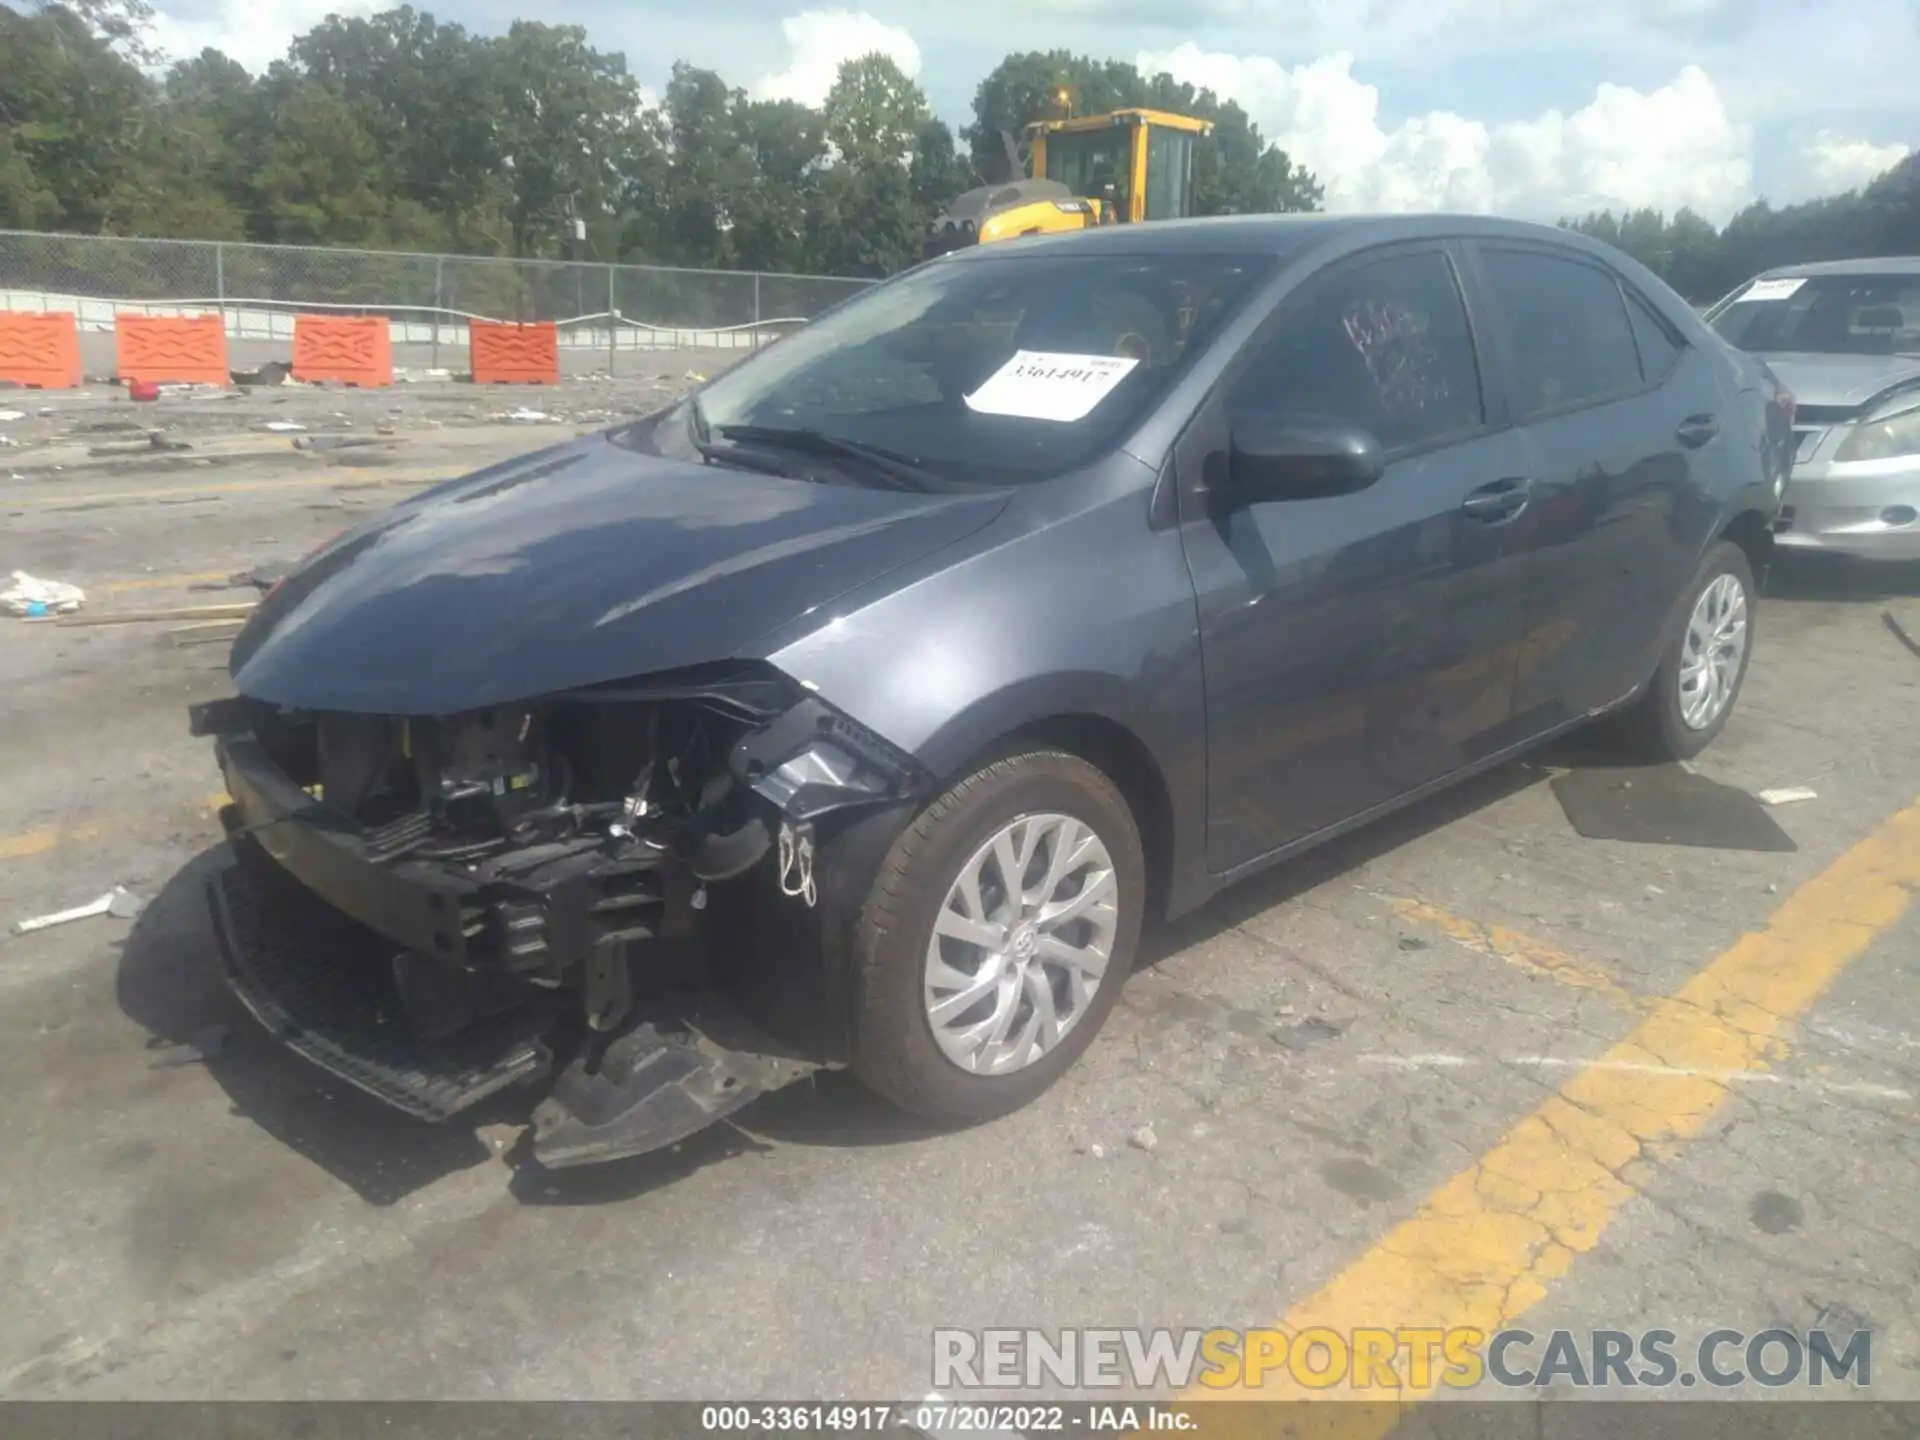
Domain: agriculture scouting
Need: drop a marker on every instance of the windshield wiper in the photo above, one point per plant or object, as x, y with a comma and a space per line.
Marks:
903, 471
697, 436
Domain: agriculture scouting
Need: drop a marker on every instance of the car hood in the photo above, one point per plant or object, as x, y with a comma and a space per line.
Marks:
582, 564
1842, 382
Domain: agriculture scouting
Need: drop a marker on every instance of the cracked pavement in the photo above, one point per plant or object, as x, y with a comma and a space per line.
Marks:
1461, 1066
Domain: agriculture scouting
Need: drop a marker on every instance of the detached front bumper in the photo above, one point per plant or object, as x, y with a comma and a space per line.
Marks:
410, 981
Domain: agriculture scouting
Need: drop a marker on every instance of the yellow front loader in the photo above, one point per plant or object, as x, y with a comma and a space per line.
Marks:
1119, 168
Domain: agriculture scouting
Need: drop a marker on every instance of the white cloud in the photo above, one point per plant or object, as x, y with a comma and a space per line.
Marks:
254, 32
1829, 164
820, 41
1674, 146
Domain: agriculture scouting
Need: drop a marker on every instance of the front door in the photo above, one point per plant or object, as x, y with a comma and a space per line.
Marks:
1357, 646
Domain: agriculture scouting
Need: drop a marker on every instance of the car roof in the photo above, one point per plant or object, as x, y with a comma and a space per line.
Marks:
1867, 265
1279, 235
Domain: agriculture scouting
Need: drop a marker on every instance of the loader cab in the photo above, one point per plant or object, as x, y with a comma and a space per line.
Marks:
1141, 160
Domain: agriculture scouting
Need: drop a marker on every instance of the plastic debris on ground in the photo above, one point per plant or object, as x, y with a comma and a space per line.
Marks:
1787, 795
197, 1050
7, 417
1900, 634
283, 427
524, 416
31, 597
118, 902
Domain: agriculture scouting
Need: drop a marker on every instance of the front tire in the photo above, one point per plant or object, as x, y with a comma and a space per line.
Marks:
1703, 663
996, 938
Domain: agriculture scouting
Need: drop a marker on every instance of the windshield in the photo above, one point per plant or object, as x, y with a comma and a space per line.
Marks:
1826, 315
993, 371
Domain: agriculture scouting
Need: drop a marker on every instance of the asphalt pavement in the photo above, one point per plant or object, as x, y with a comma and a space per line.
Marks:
1464, 1068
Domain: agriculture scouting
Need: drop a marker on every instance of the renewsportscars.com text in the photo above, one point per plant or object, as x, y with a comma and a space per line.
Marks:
1389, 1360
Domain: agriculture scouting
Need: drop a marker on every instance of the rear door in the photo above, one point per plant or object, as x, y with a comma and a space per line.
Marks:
1356, 646
1616, 412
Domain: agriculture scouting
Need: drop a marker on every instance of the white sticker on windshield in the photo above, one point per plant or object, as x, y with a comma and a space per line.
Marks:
1772, 289
1036, 385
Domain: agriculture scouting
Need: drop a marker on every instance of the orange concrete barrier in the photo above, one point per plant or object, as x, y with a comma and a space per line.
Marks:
515, 354
41, 352
347, 349
190, 349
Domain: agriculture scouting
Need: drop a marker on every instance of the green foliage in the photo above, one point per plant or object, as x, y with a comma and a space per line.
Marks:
395, 131
1704, 264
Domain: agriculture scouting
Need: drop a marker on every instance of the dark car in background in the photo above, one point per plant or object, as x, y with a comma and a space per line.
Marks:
1844, 337
860, 708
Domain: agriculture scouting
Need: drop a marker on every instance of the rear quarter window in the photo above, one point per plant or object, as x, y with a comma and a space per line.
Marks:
1659, 351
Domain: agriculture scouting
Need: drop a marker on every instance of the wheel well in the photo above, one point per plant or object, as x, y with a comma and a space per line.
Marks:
1751, 532
1120, 755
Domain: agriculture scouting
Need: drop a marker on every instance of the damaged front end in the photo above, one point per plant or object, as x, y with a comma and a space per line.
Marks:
439, 908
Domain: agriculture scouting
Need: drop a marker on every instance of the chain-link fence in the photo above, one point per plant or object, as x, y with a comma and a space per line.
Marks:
603, 310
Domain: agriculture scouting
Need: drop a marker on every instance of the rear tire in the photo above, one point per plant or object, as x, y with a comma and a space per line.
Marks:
1042, 802
1675, 719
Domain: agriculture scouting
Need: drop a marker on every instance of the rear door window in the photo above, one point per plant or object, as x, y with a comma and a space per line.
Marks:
1383, 344
1567, 330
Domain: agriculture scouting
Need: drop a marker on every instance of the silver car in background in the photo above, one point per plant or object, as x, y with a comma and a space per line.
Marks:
1844, 337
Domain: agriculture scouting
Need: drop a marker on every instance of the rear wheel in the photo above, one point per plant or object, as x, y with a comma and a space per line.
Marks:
996, 938
1704, 663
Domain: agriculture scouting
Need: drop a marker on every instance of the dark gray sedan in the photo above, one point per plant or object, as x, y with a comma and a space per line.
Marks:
861, 708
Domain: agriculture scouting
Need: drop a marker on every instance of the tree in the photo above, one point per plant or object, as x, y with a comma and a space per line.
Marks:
426, 94
393, 130
871, 216
566, 120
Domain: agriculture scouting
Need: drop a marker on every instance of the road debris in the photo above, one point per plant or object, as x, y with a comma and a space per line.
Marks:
1144, 1139
185, 612
1787, 795
117, 902
1666, 805
524, 416
284, 427
195, 1051
274, 372
334, 442
1886, 617
31, 597
7, 417
154, 442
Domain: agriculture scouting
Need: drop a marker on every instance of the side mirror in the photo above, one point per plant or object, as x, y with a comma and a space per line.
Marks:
1301, 457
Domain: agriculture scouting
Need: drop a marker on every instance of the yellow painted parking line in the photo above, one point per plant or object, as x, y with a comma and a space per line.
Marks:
47, 837
51, 837
1521, 951
340, 479
157, 582
1484, 1248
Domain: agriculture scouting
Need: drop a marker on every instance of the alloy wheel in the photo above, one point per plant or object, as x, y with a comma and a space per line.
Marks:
1021, 944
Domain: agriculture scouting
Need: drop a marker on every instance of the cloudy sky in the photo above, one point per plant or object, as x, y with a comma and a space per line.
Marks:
1528, 107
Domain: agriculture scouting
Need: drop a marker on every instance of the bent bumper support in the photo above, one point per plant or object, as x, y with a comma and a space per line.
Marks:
434, 985
316, 981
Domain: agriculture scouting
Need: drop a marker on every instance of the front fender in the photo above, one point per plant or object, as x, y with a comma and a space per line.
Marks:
1090, 615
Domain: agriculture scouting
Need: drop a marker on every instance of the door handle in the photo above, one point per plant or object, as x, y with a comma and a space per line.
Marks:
1500, 501
1697, 430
